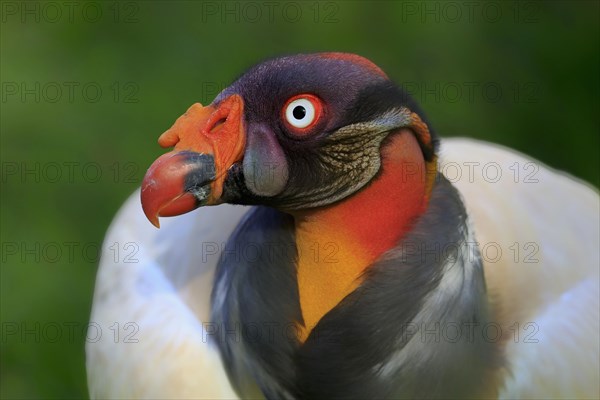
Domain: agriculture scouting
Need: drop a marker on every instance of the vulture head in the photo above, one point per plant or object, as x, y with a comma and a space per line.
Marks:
294, 133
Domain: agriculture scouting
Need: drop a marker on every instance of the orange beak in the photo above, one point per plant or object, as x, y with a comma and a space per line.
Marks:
208, 141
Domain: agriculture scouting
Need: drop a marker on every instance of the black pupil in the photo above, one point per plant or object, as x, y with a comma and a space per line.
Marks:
299, 112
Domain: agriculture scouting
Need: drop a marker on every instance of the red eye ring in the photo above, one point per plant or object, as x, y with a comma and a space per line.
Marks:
301, 113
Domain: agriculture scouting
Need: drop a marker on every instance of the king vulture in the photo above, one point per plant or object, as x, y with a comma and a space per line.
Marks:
341, 262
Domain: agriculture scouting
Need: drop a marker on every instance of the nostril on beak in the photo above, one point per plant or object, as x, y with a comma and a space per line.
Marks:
220, 122
216, 120
219, 117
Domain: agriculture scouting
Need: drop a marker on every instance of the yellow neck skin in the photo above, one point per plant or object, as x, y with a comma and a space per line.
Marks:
337, 243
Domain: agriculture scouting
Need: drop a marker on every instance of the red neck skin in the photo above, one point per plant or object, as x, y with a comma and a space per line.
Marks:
337, 243
377, 217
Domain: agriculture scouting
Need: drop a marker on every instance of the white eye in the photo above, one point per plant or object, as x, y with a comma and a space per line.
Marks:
300, 113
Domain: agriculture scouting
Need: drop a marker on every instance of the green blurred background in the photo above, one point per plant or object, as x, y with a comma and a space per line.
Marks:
87, 89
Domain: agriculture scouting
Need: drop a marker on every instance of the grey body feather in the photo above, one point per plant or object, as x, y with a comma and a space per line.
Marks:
421, 307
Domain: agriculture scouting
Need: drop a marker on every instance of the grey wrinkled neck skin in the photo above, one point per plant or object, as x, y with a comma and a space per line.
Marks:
412, 329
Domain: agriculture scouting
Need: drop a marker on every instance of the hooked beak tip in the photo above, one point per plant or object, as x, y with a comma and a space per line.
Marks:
177, 183
151, 215
154, 220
